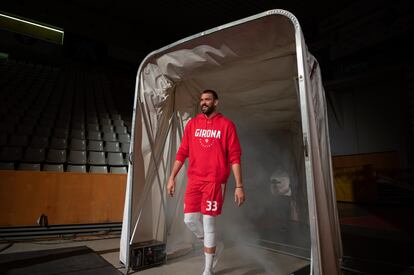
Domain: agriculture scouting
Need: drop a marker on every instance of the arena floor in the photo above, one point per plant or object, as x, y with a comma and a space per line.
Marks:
235, 260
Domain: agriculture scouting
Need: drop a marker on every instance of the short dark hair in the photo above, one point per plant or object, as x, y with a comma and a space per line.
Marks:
215, 96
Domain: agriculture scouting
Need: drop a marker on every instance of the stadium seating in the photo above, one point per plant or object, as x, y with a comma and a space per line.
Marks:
53, 167
78, 144
29, 166
95, 145
34, 155
98, 169
60, 120
112, 147
118, 170
77, 157
77, 168
6, 166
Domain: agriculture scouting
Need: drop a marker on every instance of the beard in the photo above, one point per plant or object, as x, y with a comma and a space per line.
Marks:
207, 111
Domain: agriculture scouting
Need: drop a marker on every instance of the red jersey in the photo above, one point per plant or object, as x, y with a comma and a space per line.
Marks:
212, 145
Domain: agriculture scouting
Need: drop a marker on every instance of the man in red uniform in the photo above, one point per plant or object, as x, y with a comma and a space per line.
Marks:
210, 142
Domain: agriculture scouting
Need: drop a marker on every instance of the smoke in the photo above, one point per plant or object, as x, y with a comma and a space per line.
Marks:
266, 219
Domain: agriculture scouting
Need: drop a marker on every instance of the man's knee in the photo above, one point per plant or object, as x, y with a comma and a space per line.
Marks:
191, 219
209, 224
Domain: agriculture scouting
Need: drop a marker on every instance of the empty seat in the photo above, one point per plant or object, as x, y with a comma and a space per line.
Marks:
94, 136
121, 130
43, 131
78, 125
96, 158
53, 167
124, 138
116, 159
90, 110
76, 168
11, 154
77, 157
128, 124
118, 122
39, 142
6, 166
95, 145
107, 128
98, 169
18, 140
78, 144
25, 129
93, 127
77, 133
92, 120
58, 143
116, 116
56, 156
105, 121
78, 120
103, 115
109, 137
112, 146
118, 170
61, 133
62, 124
125, 147
29, 166
34, 155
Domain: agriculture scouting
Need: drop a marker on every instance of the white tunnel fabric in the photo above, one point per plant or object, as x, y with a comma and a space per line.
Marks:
323, 177
253, 65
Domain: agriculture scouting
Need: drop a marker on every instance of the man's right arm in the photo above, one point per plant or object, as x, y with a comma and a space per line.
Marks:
171, 181
182, 154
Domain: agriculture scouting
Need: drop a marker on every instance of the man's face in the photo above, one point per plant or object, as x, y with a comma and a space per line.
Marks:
207, 103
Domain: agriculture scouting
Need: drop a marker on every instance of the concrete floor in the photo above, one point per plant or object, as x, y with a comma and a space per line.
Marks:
235, 260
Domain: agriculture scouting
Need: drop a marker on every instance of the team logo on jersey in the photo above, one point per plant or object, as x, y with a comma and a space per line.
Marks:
207, 133
207, 137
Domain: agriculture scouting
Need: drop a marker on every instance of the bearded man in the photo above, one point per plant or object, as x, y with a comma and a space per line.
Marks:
211, 144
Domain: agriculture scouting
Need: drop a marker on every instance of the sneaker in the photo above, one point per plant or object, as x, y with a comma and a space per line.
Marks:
219, 250
208, 273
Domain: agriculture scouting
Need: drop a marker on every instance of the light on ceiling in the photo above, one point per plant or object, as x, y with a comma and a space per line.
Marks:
31, 28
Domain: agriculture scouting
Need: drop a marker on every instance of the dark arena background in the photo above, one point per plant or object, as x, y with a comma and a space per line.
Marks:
67, 84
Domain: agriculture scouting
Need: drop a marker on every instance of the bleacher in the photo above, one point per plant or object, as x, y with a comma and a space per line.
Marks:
60, 120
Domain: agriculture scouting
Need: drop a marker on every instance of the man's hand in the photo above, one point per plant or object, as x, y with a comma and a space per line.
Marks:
171, 186
239, 197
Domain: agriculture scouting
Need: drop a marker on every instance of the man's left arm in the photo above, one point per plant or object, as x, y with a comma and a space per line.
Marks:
234, 158
239, 191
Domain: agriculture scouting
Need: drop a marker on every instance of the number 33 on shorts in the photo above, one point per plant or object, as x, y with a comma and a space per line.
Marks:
211, 206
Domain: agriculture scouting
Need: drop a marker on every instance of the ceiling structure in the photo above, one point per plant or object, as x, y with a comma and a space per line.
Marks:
143, 26
348, 37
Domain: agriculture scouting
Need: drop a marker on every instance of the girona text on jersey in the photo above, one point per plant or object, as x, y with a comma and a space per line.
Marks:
211, 145
207, 133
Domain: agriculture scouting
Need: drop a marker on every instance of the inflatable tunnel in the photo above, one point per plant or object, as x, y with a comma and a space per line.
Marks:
270, 86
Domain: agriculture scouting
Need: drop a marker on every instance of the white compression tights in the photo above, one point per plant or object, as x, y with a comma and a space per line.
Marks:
207, 229
209, 224
192, 220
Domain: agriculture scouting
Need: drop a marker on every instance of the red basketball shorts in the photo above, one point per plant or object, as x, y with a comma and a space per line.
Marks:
204, 196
